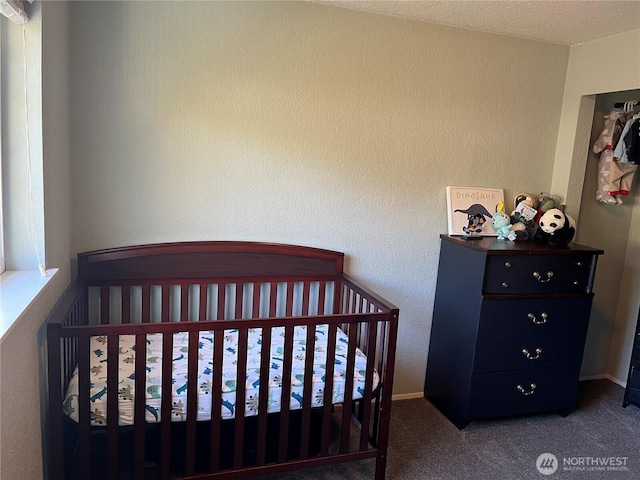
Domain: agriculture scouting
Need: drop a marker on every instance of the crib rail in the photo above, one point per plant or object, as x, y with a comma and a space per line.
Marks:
369, 324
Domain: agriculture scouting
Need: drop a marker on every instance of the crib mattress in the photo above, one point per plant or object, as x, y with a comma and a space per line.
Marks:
153, 393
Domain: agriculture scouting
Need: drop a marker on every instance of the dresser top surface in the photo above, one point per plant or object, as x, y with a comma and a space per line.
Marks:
492, 246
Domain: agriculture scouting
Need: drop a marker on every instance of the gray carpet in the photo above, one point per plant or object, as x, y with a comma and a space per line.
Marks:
425, 445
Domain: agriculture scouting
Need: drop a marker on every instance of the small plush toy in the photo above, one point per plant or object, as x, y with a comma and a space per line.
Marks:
501, 223
523, 210
555, 228
546, 202
523, 213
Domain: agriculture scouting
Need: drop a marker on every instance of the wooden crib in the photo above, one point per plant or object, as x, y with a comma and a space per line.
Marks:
217, 297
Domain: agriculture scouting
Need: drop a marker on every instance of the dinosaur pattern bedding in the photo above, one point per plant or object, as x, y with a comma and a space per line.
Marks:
153, 394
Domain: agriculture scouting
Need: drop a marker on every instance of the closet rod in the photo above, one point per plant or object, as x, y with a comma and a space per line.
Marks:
621, 104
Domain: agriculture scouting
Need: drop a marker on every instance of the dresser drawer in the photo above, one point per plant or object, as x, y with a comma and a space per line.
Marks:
525, 391
635, 354
537, 274
498, 353
553, 317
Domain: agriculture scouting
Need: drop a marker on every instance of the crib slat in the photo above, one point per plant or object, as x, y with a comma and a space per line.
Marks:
57, 368
164, 313
239, 300
306, 286
84, 414
192, 405
146, 303
372, 333
345, 299
338, 298
216, 401
104, 305
327, 401
289, 309
165, 412
126, 304
285, 399
184, 303
263, 395
307, 396
322, 287
348, 390
380, 362
273, 299
222, 295
238, 448
353, 301
202, 310
139, 404
255, 308
113, 344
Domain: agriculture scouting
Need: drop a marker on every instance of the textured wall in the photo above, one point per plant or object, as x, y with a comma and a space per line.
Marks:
302, 123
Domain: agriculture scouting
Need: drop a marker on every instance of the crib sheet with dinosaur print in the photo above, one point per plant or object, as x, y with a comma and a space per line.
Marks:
153, 394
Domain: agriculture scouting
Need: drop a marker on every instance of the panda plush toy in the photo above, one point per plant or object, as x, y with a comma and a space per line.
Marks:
555, 228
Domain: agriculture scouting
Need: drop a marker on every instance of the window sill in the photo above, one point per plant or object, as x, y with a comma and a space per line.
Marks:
18, 289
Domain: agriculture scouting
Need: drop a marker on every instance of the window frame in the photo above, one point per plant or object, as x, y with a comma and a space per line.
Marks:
3, 264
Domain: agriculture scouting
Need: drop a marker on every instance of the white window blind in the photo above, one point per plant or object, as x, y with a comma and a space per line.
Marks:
14, 10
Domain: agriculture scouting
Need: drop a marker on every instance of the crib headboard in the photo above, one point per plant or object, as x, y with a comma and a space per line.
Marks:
193, 260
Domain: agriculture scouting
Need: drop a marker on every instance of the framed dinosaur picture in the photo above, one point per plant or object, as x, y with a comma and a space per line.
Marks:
470, 210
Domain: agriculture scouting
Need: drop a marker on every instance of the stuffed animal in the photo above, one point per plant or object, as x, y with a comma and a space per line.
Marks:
501, 223
523, 208
545, 202
523, 213
555, 228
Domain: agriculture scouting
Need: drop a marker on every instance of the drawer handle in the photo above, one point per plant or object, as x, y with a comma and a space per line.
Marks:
505, 284
539, 277
507, 264
527, 354
521, 389
543, 316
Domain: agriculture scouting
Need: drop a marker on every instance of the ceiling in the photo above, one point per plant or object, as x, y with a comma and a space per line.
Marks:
555, 21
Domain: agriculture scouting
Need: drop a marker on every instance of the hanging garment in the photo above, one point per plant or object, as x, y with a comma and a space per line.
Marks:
621, 177
613, 124
623, 146
624, 165
633, 142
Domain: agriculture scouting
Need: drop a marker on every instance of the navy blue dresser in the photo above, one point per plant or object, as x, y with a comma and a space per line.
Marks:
509, 326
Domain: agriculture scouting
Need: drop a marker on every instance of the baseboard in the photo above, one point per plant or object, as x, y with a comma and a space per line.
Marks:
407, 396
604, 376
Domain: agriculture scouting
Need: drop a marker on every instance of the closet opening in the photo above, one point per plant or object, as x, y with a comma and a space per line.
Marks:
614, 227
